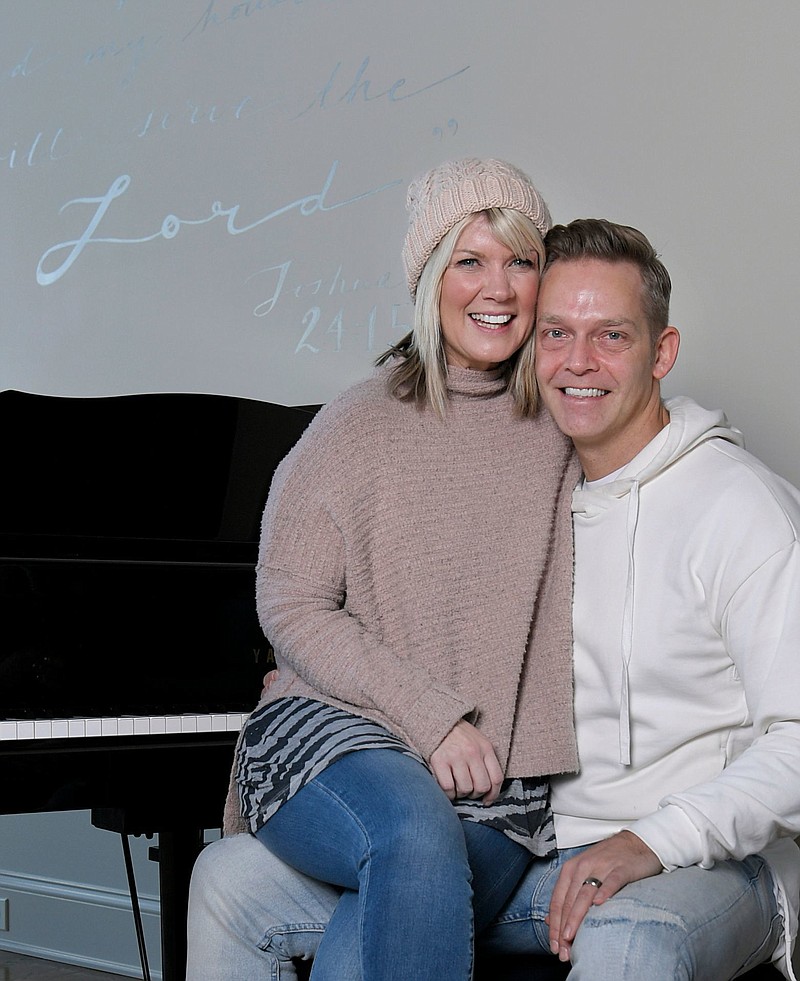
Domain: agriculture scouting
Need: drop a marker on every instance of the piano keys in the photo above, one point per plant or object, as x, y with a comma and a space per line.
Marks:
132, 725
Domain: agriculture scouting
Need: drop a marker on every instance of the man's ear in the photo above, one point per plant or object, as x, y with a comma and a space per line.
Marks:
666, 352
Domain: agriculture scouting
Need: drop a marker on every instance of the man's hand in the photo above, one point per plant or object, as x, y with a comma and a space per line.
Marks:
466, 765
613, 863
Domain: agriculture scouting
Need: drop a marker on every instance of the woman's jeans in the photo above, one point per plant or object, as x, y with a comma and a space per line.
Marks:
250, 914
376, 824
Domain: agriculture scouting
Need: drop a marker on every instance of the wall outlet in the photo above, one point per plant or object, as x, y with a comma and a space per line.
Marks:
3, 914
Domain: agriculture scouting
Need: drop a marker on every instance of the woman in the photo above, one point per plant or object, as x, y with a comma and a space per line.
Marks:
414, 579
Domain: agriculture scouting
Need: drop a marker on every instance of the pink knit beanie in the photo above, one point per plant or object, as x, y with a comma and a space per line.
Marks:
437, 200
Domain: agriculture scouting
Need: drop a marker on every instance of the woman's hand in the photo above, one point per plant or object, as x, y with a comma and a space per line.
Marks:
466, 765
269, 680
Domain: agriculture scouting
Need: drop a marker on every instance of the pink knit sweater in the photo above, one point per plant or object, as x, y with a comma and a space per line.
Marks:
417, 571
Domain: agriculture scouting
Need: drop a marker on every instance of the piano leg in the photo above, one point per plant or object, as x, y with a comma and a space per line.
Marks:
175, 853
141, 943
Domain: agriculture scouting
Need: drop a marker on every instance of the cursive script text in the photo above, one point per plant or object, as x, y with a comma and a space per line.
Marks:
172, 224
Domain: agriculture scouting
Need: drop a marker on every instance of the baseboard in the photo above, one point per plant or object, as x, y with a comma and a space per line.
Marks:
74, 923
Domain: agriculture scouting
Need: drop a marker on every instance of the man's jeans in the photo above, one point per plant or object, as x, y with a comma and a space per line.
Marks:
700, 924
250, 914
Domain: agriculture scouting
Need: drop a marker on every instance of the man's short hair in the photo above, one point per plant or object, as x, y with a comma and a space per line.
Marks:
597, 238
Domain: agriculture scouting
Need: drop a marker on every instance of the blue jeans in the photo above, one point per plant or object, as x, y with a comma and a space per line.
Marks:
250, 914
693, 923
376, 824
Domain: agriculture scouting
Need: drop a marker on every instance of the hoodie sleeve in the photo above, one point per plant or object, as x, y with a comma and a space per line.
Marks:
756, 797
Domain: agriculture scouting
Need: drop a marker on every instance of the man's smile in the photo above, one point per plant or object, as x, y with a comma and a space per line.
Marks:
585, 393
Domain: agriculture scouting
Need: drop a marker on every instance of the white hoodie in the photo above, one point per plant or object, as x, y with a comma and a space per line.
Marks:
687, 657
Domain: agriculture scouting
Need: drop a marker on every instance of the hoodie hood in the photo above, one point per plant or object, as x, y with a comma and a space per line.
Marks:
689, 426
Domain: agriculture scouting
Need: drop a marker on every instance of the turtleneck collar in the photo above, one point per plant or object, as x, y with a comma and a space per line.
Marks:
475, 384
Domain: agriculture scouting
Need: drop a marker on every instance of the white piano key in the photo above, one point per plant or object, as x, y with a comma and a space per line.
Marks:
173, 723
8, 730
188, 723
141, 725
25, 730
77, 728
94, 727
204, 723
109, 726
60, 728
42, 729
158, 725
125, 726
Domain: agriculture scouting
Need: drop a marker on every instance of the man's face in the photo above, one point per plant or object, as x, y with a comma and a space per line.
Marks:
595, 363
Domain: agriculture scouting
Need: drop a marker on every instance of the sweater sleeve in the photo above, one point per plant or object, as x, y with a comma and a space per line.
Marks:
301, 588
756, 798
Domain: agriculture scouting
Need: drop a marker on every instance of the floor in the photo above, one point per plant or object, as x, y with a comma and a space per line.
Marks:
16, 967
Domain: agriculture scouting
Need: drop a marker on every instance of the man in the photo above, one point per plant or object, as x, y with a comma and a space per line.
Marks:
676, 856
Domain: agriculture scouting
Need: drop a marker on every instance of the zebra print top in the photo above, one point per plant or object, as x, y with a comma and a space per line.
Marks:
289, 741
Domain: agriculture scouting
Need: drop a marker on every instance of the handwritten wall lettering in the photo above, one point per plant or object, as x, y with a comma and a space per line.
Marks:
335, 284
40, 149
193, 114
136, 51
212, 17
172, 224
361, 88
361, 333
354, 327
146, 130
27, 66
452, 129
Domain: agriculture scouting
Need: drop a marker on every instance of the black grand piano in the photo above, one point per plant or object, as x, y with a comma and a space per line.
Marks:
130, 649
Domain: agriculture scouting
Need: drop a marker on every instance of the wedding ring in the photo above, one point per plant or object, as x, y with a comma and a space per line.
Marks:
592, 881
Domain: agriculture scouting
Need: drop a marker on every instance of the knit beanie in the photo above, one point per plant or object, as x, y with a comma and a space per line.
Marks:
439, 199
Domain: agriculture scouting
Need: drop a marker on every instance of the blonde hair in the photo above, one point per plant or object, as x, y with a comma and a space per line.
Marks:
421, 374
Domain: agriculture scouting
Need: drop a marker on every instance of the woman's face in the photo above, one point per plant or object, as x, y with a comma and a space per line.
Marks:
488, 300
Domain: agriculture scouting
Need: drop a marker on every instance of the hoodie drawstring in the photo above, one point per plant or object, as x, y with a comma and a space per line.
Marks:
632, 519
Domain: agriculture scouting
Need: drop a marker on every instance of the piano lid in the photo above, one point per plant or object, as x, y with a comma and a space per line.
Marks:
158, 477
128, 536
